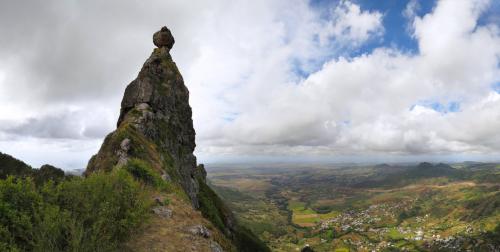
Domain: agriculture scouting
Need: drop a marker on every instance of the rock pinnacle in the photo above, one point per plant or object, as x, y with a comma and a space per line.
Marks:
163, 38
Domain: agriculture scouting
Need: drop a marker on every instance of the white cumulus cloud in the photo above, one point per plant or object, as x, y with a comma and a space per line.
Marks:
266, 78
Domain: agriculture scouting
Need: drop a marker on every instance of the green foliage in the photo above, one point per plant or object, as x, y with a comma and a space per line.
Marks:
414, 211
91, 214
484, 206
246, 241
323, 209
19, 202
166, 202
48, 173
328, 235
494, 235
214, 209
142, 171
12, 166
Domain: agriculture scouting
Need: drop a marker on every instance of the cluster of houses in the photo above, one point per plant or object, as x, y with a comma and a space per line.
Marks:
365, 222
359, 220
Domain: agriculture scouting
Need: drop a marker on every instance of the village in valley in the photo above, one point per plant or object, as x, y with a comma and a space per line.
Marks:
368, 208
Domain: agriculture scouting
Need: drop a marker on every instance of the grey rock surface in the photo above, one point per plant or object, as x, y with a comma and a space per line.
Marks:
215, 247
162, 211
163, 38
123, 152
200, 230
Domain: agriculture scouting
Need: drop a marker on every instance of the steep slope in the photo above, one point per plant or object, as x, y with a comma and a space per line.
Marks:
155, 132
13, 166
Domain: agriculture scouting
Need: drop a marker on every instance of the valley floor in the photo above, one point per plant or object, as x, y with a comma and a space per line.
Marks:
366, 208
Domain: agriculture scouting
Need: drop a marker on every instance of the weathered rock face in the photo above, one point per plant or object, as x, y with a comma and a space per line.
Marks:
155, 132
155, 110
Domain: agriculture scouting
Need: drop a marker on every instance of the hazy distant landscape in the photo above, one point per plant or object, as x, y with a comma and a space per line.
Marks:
382, 207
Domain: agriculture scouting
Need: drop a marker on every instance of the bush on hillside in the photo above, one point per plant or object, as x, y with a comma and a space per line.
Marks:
80, 214
142, 171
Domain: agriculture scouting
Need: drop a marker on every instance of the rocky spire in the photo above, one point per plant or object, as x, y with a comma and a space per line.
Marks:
155, 122
155, 132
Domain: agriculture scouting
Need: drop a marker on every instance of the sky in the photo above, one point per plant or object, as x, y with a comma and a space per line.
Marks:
280, 80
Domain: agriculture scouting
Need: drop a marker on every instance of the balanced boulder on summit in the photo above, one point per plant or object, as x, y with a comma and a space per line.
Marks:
163, 38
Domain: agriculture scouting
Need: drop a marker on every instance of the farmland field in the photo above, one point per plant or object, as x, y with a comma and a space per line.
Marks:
425, 207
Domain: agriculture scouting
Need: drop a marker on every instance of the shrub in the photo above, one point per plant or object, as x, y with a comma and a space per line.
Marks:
80, 214
106, 206
143, 172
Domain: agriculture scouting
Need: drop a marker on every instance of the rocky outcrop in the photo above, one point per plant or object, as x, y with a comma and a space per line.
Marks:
162, 211
163, 38
156, 108
200, 230
155, 132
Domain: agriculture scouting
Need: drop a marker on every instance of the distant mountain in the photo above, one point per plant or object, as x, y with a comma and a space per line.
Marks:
48, 172
382, 166
386, 168
479, 165
428, 170
398, 175
10, 166
472, 163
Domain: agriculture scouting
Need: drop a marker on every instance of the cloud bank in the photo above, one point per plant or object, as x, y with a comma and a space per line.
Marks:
267, 78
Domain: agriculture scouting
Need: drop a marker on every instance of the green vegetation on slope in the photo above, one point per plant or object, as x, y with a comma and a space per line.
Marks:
142, 171
96, 213
147, 161
214, 209
12, 166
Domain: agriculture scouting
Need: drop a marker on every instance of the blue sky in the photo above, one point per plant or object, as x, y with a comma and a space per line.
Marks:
396, 33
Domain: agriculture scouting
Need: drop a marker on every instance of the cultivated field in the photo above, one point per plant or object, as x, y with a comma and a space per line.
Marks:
363, 208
